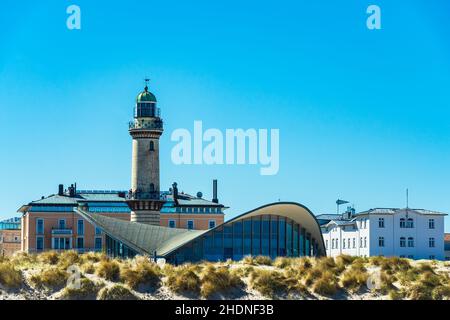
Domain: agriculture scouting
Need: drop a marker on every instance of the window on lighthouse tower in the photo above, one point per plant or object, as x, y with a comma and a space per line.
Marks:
152, 146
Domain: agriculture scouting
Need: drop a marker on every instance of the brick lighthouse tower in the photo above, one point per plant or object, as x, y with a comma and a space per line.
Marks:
146, 128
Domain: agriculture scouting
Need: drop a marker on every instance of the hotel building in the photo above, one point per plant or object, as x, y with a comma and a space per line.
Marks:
407, 233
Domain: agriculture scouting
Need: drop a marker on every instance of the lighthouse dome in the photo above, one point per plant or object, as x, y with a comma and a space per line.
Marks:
146, 96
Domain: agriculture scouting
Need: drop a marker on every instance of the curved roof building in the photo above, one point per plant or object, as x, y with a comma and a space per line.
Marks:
279, 229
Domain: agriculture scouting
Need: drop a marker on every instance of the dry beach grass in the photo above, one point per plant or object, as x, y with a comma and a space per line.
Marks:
44, 276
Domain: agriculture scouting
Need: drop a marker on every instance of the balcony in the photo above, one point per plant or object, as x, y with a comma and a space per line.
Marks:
62, 231
143, 195
146, 125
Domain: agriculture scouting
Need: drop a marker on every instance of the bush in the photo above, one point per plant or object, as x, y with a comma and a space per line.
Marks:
326, 285
267, 282
10, 277
263, 260
88, 291
354, 278
50, 278
217, 280
283, 262
183, 279
441, 293
68, 258
23, 259
116, 292
88, 268
108, 269
48, 257
396, 294
143, 273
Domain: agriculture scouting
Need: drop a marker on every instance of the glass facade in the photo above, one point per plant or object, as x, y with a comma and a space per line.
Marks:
268, 235
117, 249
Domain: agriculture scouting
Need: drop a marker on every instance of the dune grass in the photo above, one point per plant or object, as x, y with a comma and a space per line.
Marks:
50, 278
217, 280
143, 272
116, 292
10, 277
108, 269
183, 279
88, 290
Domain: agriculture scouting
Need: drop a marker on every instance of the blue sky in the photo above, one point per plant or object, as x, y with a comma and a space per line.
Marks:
362, 114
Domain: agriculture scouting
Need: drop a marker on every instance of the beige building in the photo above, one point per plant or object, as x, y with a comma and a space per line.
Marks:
9, 236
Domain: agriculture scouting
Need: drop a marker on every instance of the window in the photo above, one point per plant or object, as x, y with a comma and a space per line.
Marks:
410, 223
381, 241
432, 257
80, 227
190, 224
365, 242
410, 256
431, 242
98, 243
98, 231
212, 224
152, 146
361, 242
354, 243
402, 223
62, 223
40, 226
80, 243
411, 242
337, 243
172, 224
349, 243
343, 243
332, 243
326, 244
431, 224
39, 243
381, 223
402, 242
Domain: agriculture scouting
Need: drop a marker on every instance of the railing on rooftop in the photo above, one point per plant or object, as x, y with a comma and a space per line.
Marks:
146, 125
144, 195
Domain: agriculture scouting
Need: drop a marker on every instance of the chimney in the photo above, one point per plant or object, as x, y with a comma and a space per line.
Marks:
61, 190
72, 191
174, 191
215, 200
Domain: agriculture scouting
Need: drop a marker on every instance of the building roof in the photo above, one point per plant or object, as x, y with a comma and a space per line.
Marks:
328, 216
399, 210
143, 238
146, 239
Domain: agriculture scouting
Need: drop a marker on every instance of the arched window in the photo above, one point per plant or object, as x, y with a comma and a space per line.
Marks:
152, 146
411, 242
410, 223
402, 223
402, 242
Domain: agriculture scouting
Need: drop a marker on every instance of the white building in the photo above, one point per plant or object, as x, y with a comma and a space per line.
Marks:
407, 233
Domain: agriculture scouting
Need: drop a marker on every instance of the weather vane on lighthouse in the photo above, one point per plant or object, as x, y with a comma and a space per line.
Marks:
147, 80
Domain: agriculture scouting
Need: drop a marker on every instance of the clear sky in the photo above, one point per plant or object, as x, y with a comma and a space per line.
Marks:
362, 114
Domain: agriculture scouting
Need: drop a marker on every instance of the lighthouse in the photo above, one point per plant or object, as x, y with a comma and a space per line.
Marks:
146, 128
